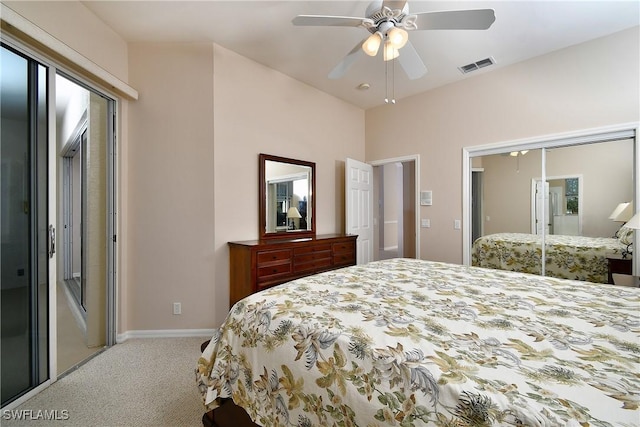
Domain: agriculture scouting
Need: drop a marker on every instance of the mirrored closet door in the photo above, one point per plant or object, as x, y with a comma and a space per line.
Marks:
548, 210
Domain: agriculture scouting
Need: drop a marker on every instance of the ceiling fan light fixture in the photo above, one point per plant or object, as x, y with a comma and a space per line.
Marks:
372, 44
397, 37
390, 52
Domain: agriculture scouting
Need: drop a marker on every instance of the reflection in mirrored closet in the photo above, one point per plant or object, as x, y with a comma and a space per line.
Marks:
547, 210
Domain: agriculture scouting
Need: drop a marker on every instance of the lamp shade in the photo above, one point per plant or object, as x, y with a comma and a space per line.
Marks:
397, 37
372, 44
634, 222
293, 213
617, 210
625, 214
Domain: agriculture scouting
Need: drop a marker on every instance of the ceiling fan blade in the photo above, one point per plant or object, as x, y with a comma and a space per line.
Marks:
344, 65
330, 21
411, 62
394, 4
477, 19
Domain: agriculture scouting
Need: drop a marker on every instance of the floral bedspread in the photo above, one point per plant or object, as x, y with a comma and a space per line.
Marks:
566, 257
413, 343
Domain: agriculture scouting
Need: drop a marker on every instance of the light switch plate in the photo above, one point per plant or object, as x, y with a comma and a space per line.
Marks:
425, 223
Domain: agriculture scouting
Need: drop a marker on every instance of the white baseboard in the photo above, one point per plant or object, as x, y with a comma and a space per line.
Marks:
164, 333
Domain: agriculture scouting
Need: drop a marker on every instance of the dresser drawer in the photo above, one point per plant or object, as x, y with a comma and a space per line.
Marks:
312, 256
324, 247
264, 257
343, 247
344, 258
271, 272
314, 265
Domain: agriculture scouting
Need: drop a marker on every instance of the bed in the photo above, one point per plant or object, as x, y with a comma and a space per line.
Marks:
413, 343
566, 257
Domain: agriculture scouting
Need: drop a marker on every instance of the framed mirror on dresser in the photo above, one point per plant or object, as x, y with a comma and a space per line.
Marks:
286, 202
288, 246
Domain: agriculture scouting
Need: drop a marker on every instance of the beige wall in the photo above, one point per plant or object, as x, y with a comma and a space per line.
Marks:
170, 188
76, 26
585, 86
193, 171
258, 110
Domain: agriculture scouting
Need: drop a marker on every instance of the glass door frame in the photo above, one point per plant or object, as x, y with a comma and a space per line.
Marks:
53, 68
588, 136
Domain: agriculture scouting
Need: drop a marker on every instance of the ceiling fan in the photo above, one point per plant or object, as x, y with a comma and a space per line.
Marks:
388, 22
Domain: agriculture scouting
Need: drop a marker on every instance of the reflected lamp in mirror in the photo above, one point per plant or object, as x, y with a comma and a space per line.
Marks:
292, 215
633, 224
622, 212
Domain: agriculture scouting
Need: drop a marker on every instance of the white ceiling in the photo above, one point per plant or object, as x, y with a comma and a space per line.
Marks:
262, 31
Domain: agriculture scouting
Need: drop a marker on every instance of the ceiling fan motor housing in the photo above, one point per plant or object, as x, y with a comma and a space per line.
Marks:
382, 19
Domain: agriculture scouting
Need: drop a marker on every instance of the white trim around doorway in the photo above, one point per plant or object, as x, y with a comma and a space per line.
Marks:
410, 158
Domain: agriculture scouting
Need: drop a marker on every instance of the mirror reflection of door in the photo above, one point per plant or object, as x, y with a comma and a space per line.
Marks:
83, 121
558, 205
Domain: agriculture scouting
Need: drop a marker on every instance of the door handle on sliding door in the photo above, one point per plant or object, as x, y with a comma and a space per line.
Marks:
52, 240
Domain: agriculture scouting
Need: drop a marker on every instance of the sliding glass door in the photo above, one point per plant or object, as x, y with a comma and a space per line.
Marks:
26, 238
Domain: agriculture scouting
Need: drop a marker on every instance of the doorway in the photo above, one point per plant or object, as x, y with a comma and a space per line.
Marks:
395, 199
39, 118
477, 211
83, 121
558, 203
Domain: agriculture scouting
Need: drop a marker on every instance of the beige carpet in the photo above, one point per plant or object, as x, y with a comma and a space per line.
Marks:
141, 382
72, 349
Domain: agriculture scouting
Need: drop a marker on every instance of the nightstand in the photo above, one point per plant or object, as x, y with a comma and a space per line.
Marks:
618, 265
626, 280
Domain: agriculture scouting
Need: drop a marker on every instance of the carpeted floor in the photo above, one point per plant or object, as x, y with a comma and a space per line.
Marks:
141, 382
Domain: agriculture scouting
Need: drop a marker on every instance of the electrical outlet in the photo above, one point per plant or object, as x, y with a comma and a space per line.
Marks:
177, 308
425, 223
456, 224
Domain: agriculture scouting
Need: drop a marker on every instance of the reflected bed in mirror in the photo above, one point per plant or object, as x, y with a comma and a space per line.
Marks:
515, 210
287, 197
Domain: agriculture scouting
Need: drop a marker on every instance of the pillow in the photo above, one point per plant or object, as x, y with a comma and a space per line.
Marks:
625, 235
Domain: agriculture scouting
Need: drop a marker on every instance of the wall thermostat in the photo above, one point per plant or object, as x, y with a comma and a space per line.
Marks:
426, 198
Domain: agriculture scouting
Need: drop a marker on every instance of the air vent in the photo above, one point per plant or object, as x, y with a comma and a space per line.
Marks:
476, 65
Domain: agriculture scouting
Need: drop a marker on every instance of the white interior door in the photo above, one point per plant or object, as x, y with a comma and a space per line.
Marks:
541, 206
359, 207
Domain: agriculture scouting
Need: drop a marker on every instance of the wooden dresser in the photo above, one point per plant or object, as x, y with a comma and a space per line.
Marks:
255, 265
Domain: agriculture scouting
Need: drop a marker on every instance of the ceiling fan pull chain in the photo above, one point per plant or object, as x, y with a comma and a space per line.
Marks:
393, 81
386, 82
